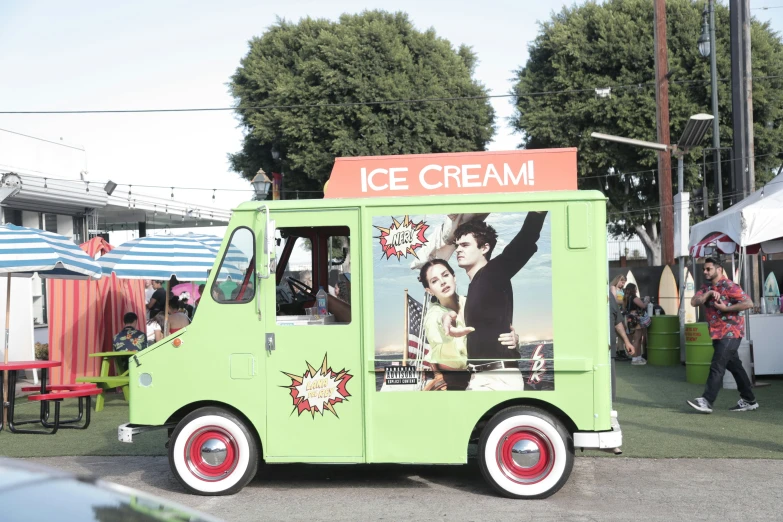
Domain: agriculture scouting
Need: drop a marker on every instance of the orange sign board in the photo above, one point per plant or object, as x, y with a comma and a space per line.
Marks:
453, 173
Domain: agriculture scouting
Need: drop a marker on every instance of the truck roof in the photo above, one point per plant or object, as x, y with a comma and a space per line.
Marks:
528, 197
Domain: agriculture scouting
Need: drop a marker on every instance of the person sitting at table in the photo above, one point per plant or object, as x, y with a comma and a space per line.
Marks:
129, 339
155, 329
178, 319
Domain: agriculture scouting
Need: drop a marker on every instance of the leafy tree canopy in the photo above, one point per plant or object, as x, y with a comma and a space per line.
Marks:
340, 67
611, 44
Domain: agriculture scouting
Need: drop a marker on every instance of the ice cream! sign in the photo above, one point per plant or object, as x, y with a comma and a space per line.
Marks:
453, 173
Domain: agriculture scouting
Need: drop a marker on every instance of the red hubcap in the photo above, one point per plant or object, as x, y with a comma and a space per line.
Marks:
211, 453
525, 455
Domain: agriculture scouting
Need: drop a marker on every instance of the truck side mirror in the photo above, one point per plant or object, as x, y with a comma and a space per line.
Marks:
270, 238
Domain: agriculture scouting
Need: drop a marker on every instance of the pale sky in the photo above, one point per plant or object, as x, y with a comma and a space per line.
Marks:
178, 54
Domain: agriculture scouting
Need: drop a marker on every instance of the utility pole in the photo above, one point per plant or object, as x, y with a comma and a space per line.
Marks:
715, 111
662, 123
748, 70
739, 98
742, 124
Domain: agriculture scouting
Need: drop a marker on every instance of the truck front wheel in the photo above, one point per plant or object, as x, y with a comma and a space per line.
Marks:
212, 452
525, 453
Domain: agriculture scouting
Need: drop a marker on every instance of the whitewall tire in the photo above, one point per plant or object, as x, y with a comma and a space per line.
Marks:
212, 452
525, 453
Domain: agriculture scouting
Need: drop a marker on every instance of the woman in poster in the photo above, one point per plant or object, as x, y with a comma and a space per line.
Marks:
444, 326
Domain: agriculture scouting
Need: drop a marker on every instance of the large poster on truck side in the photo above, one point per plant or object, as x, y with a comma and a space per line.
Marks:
463, 302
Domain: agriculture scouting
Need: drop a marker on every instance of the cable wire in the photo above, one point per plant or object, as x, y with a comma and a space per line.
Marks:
365, 103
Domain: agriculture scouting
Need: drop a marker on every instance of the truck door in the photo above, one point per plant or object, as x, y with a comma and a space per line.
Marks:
313, 362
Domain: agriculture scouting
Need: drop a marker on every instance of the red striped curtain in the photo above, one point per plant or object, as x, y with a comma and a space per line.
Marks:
85, 315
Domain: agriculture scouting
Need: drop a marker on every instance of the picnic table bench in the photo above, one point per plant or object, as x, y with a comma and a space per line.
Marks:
106, 382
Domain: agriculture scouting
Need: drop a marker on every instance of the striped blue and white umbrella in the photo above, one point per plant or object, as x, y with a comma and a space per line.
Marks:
25, 251
188, 257
235, 258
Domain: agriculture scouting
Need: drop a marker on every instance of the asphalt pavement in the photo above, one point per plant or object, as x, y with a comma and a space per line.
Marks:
610, 488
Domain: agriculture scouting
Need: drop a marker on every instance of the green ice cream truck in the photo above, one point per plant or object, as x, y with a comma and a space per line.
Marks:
456, 299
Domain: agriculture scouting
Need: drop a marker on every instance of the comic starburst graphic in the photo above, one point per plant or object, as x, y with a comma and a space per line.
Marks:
401, 239
318, 390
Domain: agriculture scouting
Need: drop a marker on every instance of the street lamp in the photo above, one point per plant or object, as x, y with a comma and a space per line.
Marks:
261, 185
691, 136
704, 38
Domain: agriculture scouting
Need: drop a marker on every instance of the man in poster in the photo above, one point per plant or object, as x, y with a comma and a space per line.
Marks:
490, 303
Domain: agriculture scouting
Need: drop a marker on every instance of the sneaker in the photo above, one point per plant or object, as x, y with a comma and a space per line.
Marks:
638, 361
743, 405
700, 404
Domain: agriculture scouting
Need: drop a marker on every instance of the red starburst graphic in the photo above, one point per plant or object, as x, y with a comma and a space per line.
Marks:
402, 238
318, 390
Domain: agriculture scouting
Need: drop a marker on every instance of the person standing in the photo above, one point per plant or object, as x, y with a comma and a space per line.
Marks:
723, 301
616, 288
184, 300
617, 329
635, 307
157, 302
148, 291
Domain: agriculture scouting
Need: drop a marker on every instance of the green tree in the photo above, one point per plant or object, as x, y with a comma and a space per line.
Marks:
341, 67
611, 44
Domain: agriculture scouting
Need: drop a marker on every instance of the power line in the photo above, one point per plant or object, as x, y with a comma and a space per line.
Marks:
374, 102
765, 8
42, 139
673, 168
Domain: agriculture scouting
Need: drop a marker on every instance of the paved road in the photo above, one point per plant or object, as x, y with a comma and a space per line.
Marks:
612, 488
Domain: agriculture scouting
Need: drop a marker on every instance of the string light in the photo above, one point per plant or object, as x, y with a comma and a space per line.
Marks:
213, 195
46, 187
172, 193
212, 216
88, 186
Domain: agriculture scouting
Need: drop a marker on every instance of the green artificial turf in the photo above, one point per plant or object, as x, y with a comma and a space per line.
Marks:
100, 438
657, 423
651, 407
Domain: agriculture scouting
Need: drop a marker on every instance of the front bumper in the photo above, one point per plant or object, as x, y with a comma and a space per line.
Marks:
600, 439
125, 432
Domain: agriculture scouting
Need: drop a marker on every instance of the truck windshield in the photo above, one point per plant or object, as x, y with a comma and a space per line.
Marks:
235, 282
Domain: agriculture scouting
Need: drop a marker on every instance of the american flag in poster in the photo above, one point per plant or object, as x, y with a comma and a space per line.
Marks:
415, 310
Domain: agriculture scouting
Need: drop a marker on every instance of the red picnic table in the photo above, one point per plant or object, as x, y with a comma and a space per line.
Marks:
47, 393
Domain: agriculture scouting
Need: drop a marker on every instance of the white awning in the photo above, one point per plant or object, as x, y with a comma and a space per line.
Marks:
79, 198
754, 220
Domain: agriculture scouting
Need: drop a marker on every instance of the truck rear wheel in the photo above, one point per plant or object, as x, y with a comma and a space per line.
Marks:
525, 452
212, 452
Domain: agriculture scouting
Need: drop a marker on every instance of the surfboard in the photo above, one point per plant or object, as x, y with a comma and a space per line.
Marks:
629, 278
668, 293
771, 294
690, 311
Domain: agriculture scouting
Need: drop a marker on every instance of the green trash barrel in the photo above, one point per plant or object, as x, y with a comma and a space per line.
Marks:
663, 341
698, 352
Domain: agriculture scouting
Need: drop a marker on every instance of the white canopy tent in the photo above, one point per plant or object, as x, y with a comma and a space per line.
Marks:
757, 219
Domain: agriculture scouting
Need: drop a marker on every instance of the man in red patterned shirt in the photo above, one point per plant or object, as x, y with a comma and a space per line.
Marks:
723, 302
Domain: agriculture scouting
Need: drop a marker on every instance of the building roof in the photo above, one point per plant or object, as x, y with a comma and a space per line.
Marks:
78, 198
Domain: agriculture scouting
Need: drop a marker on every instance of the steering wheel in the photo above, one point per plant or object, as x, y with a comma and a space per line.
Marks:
299, 288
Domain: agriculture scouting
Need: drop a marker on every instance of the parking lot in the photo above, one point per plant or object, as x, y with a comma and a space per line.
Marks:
612, 488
